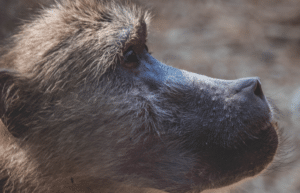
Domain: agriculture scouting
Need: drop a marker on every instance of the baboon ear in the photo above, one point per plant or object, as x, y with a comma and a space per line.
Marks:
6, 80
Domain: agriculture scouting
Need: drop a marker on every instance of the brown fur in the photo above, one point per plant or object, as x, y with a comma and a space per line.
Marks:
81, 115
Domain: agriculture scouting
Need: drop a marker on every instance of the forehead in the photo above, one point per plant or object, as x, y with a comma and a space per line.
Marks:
85, 31
124, 24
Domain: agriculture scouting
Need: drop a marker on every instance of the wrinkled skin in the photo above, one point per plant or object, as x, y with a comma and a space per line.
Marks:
139, 121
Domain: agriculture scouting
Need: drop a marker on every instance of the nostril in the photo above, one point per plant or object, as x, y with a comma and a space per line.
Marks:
245, 83
248, 86
258, 90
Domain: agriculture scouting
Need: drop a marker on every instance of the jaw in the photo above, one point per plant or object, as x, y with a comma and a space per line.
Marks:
176, 169
234, 165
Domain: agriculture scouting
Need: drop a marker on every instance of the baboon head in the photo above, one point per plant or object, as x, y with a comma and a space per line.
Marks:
85, 99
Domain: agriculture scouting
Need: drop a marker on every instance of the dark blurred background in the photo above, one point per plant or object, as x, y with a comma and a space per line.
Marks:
225, 39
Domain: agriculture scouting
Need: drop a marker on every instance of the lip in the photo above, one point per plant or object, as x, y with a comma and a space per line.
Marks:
268, 125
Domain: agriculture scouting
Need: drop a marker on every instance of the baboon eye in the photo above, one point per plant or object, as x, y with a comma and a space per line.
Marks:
130, 58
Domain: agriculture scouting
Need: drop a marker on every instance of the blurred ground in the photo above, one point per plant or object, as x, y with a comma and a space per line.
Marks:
225, 39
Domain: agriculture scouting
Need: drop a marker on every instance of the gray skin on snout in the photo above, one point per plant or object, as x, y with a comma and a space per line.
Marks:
220, 129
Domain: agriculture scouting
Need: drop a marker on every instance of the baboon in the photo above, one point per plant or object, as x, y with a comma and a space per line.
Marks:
86, 108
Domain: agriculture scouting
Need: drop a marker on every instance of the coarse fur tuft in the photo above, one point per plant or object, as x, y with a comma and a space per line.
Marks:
69, 33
